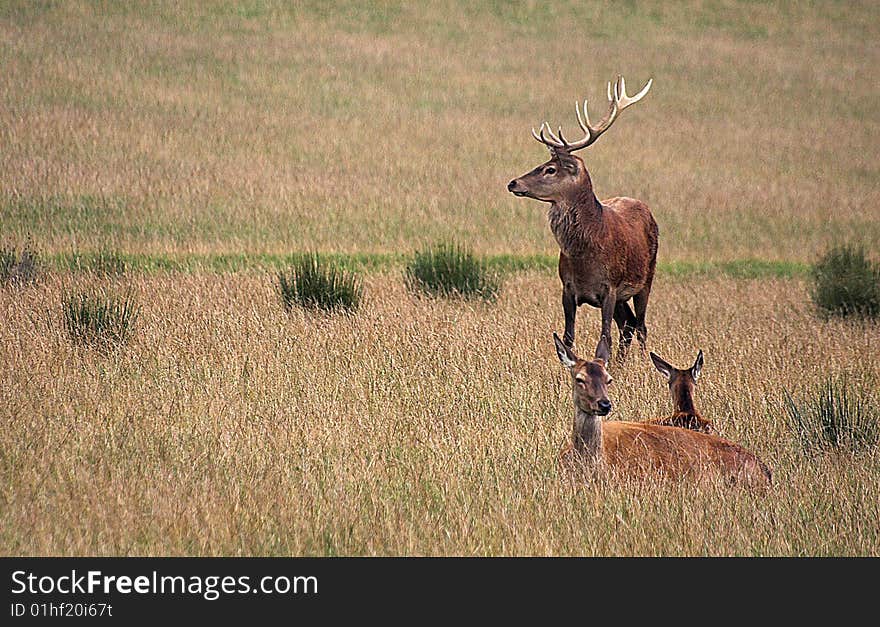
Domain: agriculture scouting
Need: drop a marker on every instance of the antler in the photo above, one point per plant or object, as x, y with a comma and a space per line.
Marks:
617, 102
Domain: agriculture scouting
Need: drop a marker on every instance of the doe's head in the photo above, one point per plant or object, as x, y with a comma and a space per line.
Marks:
589, 380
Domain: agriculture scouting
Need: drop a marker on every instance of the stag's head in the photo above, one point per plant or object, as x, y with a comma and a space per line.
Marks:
589, 380
565, 174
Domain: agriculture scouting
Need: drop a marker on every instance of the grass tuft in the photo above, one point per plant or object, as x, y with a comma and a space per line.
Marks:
846, 284
99, 320
18, 268
449, 269
835, 415
314, 282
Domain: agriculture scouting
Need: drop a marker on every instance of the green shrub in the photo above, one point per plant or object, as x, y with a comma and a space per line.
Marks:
846, 283
448, 269
99, 320
316, 283
18, 268
835, 414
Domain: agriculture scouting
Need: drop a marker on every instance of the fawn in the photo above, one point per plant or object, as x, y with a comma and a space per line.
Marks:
681, 386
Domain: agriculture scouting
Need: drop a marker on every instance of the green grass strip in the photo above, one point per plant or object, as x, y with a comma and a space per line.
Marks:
373, 262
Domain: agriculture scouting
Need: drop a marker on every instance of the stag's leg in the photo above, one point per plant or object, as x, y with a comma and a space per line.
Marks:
640, 301
626, 324
603, 348
569, 308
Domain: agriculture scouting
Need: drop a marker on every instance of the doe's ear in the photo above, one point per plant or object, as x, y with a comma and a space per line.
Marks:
698, 365
662, 366
602, 352
566, 355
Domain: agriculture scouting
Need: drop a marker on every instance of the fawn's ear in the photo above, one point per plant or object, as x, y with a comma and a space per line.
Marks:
698, 365
662, 367
566, 355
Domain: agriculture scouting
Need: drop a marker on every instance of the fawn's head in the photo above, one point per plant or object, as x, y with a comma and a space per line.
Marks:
589, 380
681, 381
565, 174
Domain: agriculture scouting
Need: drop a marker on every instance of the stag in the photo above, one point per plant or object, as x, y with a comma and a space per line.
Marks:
608, 249
641, 448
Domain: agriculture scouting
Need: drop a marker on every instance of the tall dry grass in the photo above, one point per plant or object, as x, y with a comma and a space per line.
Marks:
270, 127
416, 427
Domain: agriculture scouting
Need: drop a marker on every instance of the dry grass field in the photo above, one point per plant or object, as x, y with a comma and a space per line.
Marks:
413, 427
255, 129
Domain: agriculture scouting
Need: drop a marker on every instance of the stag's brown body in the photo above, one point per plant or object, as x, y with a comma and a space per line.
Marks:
640, 448
607, 250
607, 256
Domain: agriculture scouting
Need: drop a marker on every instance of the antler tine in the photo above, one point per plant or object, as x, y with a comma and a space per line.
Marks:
584, 122
552, 142
556, 139
535, 134
624, 101
540, 137
613, 110
561, 138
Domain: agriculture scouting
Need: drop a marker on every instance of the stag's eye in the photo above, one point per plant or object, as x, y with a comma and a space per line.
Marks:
550, 170
580, 381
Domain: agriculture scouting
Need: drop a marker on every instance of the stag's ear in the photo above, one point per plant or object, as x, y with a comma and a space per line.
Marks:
566, 355
698, 365
662, 367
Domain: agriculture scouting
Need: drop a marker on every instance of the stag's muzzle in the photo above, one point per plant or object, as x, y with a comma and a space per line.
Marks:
516, 188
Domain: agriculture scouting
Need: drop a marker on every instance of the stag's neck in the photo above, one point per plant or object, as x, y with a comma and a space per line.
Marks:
576, 222
587, 440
